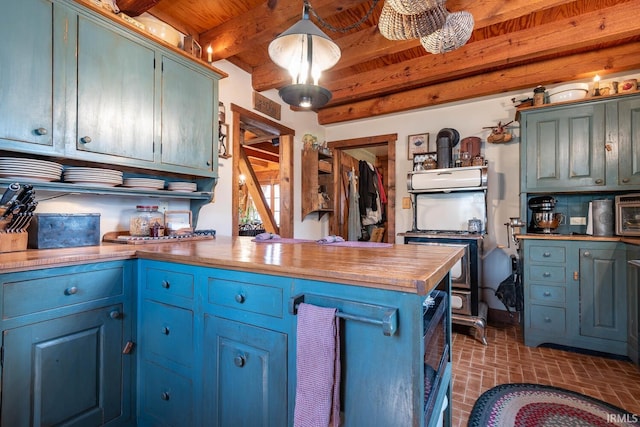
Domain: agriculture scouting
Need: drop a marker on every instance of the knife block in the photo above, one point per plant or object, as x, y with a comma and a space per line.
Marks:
13, 242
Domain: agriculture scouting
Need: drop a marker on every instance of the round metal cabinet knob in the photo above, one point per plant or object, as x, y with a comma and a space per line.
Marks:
71, 291
240, 298
115, 314
42, 131
166, 284
587, 254
546, 274
85, 139
546, 254
547, 319
165, 395
547, 294
239, 361
599, 181
165, 330
625, 180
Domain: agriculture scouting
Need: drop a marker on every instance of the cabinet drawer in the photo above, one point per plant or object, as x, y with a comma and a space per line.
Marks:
167, 332
547, 254
547, 273
245, 296
551, 320
45, 293
169, 282
167, 397
547, 293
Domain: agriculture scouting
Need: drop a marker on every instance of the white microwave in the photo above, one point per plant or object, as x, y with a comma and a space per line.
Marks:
628, 215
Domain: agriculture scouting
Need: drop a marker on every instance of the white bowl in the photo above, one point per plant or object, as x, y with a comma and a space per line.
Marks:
568, 95
161, 29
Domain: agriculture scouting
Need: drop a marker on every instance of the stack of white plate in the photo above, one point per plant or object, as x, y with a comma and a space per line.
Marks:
29, 169
182, 186
93, 176
147, 183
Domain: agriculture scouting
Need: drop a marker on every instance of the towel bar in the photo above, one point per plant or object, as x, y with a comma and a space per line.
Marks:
387, 317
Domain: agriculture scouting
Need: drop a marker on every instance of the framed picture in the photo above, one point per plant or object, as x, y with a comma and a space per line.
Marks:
418, 144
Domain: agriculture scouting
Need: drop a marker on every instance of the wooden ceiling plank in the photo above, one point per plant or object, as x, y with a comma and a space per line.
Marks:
574, 67
591, 29
262, 24
367, 43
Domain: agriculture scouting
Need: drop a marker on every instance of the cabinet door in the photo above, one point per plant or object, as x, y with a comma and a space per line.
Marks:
115, 95
245, 374
603, 293
26, 82
188, 99
564, 148
67, 370
629, 142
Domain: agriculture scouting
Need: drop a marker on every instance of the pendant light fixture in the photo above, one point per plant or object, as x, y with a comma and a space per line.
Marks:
305, 51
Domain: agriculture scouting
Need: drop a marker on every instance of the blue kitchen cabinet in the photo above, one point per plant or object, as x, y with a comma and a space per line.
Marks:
64, 335
115, 94
563, 148
189, 125
167, 342
246, 374
575, 294
28, 122
590, 145
629, 143
633, 303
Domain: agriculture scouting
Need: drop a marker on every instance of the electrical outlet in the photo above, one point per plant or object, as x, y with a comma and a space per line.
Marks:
163, 205
577, 220
406, 203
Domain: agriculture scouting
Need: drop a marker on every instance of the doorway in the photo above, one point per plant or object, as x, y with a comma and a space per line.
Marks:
346, 153
263, 157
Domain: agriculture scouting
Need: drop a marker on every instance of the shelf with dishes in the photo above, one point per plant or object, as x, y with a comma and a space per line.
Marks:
52, 176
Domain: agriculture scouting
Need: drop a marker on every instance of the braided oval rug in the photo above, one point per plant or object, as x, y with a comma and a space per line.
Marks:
533, 405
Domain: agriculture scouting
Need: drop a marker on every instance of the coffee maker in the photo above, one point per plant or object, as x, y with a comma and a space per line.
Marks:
543, 218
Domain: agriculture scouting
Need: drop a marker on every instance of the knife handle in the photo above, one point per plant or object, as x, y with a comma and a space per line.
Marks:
10, 193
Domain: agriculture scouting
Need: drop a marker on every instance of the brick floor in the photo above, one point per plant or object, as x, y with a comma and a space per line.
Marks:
477, 368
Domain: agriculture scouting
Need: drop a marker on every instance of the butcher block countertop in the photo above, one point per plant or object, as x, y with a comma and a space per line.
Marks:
406, 268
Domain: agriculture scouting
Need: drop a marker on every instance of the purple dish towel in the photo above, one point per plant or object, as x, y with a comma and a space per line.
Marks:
317, 368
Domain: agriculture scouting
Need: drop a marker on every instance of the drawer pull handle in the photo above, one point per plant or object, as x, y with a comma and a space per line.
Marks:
547, 294
166, 284
165, 395
240, 298
115, 314
42, 131
239, 361
546, 274
165, 330
71, 291
546, 254
85, 139
547, 319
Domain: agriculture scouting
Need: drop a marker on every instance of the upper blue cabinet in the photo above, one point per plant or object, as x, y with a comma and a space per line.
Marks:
79, 85
26, 77
582, 146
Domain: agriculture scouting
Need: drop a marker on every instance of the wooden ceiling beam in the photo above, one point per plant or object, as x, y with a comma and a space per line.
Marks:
586, 31
572, 67
367, 43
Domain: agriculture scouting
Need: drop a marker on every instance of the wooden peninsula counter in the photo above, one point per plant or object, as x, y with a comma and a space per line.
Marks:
204, 333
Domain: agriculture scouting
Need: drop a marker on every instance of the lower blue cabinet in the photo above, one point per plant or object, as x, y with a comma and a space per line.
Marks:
245, 374
166, 397
66, 370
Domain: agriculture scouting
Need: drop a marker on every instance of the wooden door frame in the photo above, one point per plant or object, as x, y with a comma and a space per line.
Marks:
286, 168
348, 144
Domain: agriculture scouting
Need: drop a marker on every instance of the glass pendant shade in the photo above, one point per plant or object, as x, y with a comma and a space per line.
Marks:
305, 51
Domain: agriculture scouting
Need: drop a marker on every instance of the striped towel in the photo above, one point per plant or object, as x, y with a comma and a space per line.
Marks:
317, 368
